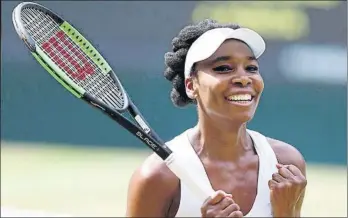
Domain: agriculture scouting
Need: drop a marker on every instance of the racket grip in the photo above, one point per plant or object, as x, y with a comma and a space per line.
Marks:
201, 188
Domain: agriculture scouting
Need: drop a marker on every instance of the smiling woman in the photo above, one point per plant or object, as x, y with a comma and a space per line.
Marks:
215, 66
230, 51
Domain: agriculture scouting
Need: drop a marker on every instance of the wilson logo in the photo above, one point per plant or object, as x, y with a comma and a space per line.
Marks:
65, 49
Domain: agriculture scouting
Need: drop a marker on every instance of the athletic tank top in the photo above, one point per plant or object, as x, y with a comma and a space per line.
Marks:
190, 205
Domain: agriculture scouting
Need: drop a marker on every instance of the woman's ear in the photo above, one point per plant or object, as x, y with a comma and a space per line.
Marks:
191, 88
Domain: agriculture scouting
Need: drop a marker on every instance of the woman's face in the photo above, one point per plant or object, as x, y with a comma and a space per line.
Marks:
228, 84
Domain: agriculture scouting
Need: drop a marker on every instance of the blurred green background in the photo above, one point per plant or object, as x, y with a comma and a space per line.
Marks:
61, 155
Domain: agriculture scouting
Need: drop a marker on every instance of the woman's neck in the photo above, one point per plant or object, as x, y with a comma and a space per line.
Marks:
221, 140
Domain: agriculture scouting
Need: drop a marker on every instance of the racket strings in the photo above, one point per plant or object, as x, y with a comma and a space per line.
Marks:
42, 28
52, 28
109, 97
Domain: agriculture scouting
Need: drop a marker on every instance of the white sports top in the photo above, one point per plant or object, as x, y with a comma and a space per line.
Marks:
190, 205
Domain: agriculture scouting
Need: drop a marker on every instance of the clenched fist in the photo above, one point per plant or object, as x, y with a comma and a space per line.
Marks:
286, 187
220, 205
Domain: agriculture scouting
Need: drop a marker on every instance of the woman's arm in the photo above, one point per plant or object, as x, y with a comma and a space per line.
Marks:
289, 155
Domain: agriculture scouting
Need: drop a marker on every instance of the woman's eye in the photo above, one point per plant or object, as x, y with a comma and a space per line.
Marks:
252, 68
223, 68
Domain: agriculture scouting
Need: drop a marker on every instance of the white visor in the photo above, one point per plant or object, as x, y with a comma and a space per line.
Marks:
210, 41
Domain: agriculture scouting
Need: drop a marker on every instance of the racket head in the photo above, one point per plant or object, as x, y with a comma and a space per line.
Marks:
68, 56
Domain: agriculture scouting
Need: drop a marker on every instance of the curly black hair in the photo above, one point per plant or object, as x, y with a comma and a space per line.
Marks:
175, 60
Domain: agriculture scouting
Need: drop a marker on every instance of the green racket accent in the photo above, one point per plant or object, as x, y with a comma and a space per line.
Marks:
63, 78
86, 47
44, 65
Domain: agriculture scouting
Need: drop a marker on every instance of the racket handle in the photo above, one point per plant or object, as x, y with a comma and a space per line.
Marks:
201, 188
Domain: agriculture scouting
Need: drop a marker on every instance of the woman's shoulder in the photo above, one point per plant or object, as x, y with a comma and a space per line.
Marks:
154, 172
287, 154
151, 183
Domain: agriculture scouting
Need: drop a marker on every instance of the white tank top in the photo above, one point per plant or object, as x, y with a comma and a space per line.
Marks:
190, 205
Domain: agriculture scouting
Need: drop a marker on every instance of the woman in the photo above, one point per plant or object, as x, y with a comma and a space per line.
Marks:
215, 67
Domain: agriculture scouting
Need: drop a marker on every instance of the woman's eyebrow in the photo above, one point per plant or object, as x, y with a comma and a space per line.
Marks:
226, 58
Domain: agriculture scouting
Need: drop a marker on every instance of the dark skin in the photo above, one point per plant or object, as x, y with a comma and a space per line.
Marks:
222, 143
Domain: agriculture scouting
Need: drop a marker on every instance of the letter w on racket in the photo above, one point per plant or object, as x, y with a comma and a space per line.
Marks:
59, 41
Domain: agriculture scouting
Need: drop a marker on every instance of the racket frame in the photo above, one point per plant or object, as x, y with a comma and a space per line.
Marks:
146, 134
142, 131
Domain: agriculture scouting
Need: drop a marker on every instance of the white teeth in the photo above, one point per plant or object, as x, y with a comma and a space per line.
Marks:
244, 97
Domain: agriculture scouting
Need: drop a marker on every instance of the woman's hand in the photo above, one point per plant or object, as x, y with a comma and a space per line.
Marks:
286, 187
220, 205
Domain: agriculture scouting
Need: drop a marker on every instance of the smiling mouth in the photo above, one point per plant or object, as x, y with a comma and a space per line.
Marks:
240, 99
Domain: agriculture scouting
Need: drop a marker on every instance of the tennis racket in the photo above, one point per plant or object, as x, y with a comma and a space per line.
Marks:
73, 61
